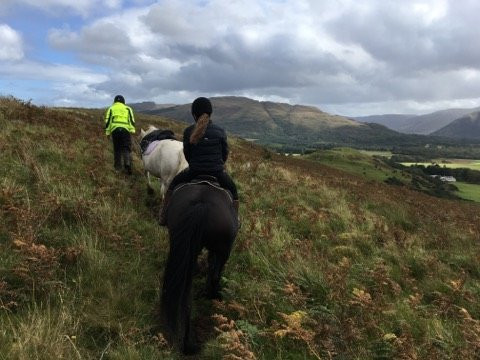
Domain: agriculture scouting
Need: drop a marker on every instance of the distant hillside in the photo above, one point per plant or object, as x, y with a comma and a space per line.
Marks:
392, 121
243, 115
466, 127
418, 124
283, 125
429, 123
148, 105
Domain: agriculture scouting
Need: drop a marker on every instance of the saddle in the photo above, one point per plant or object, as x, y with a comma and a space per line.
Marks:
205, 180
156, 135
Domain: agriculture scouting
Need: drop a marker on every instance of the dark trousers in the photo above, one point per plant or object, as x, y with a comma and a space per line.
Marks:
223, 178
122, 145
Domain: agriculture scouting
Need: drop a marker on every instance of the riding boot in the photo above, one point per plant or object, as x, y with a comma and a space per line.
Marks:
162, 219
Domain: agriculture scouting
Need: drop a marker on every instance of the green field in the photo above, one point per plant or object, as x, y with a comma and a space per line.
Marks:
468, 191
450, 163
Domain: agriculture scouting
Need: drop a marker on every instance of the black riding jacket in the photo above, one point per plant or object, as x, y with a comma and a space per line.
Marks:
211, 152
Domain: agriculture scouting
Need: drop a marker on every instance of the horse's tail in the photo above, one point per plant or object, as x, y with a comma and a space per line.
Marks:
185, 245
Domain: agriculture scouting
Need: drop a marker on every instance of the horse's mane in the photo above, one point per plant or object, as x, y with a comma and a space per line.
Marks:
150, 129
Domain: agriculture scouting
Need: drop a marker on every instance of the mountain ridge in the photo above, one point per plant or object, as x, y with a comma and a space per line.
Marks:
281, 125
465, 127
425, 124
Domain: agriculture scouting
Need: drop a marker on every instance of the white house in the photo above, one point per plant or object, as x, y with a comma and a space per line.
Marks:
445, 178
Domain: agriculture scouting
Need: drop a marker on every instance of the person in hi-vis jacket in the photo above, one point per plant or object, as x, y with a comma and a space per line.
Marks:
120, 123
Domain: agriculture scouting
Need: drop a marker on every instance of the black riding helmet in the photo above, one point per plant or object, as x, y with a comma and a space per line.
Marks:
119, 98
201, 106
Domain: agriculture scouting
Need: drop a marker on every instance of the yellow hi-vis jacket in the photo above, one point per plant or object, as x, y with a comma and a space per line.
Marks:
119, 115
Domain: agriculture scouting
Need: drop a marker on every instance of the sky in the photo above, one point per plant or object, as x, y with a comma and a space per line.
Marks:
347, 57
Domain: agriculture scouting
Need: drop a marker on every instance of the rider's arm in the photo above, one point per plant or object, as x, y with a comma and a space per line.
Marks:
224, 143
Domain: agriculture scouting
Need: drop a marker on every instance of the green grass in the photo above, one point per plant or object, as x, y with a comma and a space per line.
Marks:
327, 264
468, 191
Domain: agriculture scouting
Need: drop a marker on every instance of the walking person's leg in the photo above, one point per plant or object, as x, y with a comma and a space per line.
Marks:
117, 149
127, 152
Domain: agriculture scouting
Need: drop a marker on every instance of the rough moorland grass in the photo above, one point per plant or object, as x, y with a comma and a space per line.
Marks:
326, 265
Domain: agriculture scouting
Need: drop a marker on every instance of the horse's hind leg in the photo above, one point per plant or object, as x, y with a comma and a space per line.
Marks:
163, 189
216, 263
149, 185
190, 346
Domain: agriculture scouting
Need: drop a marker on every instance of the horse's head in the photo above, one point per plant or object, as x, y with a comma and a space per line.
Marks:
143, 133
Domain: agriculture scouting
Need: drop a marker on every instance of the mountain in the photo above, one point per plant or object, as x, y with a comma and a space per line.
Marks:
429, 123
417, 124
148, 105
290, 126
466, 127
242, 115
392, 121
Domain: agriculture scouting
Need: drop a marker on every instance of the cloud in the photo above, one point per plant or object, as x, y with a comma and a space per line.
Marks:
410, 36
326, 53
11, 46
62, 81
58, 7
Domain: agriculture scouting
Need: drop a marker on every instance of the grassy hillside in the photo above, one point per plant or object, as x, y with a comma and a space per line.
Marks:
327, 265
358, 163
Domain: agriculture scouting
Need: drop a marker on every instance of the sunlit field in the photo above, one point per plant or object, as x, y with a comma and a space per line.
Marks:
449, 163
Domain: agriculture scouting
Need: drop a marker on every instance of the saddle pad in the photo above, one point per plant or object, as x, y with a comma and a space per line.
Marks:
151, 147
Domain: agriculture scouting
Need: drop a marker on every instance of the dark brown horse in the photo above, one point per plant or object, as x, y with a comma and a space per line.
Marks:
199, 216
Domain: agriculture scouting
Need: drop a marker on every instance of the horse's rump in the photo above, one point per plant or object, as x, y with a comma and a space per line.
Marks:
201, 191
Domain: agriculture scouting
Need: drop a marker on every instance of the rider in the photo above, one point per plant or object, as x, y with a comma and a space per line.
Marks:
119, 122
206, 151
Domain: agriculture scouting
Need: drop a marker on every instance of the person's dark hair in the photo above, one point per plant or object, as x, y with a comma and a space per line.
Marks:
119, 98
201, 111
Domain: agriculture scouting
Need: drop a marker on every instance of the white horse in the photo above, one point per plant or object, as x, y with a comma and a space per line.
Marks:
164, 162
